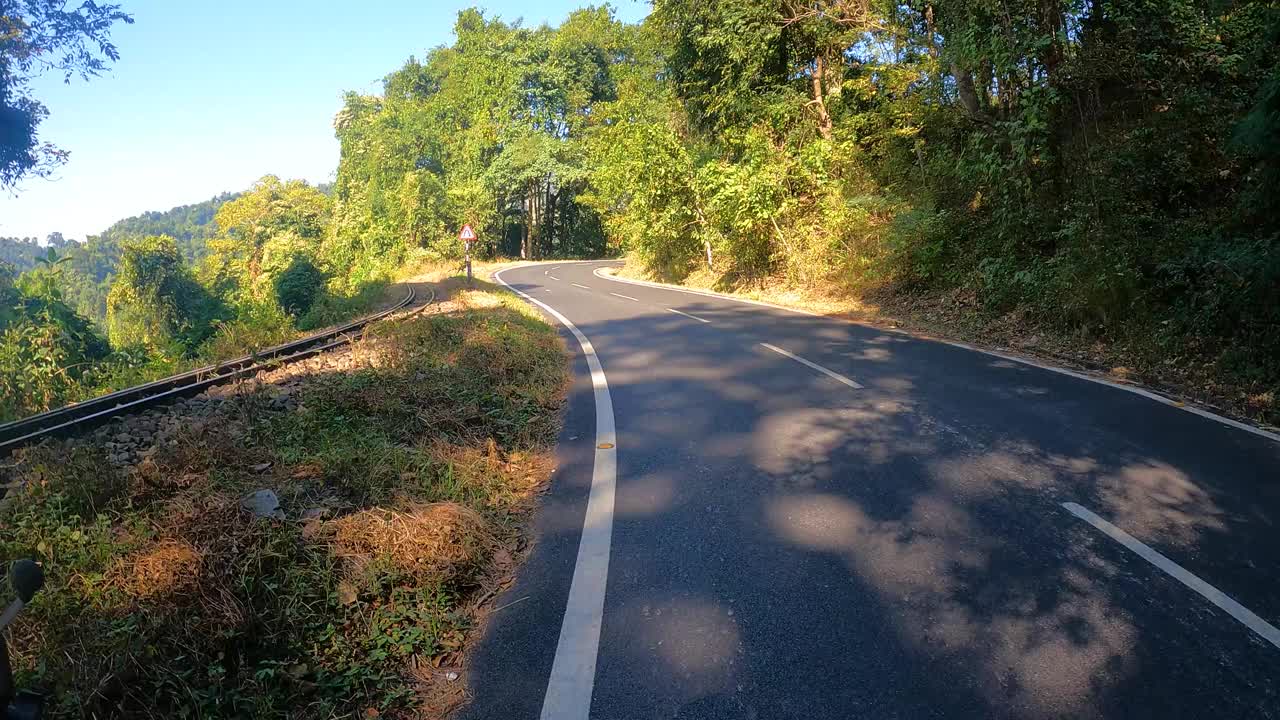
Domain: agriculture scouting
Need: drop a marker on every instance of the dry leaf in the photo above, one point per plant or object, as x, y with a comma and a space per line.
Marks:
346, 593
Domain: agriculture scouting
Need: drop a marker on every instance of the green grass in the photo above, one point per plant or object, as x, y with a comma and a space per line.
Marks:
165, 599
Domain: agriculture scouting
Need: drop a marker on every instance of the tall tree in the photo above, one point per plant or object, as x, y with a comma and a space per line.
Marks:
38, 36
156, 302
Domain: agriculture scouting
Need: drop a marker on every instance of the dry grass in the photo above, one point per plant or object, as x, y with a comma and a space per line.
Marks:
430, 542
404, 476
167, 568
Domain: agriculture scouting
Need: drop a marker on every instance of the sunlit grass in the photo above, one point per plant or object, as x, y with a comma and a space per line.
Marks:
403, 480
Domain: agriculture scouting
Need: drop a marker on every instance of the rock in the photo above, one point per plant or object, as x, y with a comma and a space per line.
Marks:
451, 676
124, 438
260, 467
263, 504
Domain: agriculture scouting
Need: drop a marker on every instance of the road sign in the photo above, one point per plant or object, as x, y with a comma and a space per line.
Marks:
467, 236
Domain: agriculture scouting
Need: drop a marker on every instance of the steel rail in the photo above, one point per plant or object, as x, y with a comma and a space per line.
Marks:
91, 413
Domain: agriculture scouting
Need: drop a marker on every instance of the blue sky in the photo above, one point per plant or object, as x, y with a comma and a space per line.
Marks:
208, 97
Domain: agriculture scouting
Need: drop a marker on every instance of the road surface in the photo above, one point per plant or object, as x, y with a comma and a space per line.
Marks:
799, 517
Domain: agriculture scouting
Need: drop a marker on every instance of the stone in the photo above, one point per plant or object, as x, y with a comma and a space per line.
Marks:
263, 504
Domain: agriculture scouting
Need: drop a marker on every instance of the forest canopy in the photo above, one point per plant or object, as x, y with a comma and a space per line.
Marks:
1105, 169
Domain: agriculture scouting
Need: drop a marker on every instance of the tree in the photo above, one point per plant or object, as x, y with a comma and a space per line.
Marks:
155, 301
37, 36
490, 131
45, 346
288, 214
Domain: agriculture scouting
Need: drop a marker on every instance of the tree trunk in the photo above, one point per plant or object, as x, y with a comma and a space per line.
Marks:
933, 45
819, 101
551, 218
524, 227
969, 99
1054, 22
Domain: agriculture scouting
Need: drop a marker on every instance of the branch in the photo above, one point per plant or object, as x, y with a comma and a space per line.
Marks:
845, 13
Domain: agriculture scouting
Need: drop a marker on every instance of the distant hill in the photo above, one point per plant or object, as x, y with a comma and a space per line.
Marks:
23, 253
87, 275
191, 225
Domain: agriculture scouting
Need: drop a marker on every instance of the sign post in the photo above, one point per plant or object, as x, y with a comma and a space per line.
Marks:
467, 236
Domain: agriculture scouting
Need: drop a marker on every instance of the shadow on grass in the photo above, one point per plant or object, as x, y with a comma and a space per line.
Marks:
403, 467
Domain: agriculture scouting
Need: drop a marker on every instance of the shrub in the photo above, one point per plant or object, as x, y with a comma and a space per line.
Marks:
298, 286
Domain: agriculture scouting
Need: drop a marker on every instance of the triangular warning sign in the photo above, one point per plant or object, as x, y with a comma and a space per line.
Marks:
467, 234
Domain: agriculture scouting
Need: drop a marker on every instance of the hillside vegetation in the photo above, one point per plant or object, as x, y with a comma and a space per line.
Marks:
167, 290
403, 469
1105, 172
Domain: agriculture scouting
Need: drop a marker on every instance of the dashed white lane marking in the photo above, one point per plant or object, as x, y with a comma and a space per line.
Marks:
624, 297
692, 317
553, 277
599, 272
573, 672
584, 287
813, 365
1177, 572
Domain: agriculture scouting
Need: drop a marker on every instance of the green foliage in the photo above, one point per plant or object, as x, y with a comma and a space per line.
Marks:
192, 226
298, 286
155, 301
489, 131
86, 277
336, 306
25, 253
37, 36
46, 349
264, 229
217, 614
1110, 168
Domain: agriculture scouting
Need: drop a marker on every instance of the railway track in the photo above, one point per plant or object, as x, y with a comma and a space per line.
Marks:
77, 418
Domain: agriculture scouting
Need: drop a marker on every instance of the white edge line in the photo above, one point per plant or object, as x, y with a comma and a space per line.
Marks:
1177, 572
584, 287
624, 297
573, 671
965, 346
598, 272
691, 317
815, 366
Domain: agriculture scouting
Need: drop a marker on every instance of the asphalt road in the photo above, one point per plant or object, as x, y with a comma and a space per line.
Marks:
815, 519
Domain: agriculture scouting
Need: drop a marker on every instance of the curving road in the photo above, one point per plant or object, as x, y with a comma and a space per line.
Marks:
798, 517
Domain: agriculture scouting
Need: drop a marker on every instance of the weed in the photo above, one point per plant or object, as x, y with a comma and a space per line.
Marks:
403, 475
